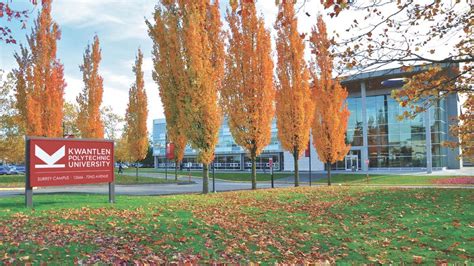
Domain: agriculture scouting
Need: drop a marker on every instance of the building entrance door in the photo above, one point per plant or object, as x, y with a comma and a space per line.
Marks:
352, 161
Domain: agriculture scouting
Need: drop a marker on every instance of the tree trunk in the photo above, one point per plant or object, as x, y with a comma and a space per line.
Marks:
254, 171
329, 173
205, 178
297, 172
176, 170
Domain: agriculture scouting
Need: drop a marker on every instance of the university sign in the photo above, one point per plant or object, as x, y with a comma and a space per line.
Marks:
59, 162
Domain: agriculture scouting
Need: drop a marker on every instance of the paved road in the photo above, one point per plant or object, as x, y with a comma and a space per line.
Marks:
167, 189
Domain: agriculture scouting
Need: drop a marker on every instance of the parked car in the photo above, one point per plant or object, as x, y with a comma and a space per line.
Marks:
137, 165
124, 166
4, 170
21, 169
11, 170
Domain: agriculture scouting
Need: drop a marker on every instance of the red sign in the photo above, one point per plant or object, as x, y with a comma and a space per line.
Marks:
170, 151
59, 162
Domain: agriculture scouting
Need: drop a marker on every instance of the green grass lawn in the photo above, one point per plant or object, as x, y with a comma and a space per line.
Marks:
374, 179
303, 225
243, 176
128, 179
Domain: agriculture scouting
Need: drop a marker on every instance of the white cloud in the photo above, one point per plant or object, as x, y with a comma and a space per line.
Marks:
73, 88
120, 19
112, 78
85, 13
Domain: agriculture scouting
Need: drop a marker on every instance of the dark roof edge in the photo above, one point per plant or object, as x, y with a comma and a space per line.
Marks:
393, 72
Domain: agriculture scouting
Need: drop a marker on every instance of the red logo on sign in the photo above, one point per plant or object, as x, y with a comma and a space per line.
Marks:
58, 162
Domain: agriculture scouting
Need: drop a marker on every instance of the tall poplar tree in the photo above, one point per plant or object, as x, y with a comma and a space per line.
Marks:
89, 119
204, 59
293, 99
331, 112
248, 92
198, 71
168, 73
136, 115
40, 89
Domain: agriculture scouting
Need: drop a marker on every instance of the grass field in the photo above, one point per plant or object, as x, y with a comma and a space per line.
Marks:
232, 176
303, 225
350, 179
19, 180
374, 179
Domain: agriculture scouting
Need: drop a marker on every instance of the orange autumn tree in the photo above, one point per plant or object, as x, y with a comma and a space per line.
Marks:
204, 69
136, 116
89, 119
248, 92
331, 112
40, 89
169, 74
294, 107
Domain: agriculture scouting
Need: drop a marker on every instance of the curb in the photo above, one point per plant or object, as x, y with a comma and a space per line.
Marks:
13, 188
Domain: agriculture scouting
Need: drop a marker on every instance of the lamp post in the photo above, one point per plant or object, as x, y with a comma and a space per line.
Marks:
270, 162
213, 176
310, 175
166, 156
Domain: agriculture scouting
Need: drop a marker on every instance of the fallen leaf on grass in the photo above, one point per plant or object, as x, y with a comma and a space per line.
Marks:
453, 246
405, 248
456, 223
417, 259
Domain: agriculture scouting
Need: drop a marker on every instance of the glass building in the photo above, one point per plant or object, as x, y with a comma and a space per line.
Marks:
228, 155
378, 138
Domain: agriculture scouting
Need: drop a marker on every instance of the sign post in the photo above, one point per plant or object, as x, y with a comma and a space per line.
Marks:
111, 192
61, 161
28, 188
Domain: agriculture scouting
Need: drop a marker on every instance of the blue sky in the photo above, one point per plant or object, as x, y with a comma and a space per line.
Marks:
121, 29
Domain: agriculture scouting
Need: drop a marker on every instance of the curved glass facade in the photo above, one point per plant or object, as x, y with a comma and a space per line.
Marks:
395, 143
